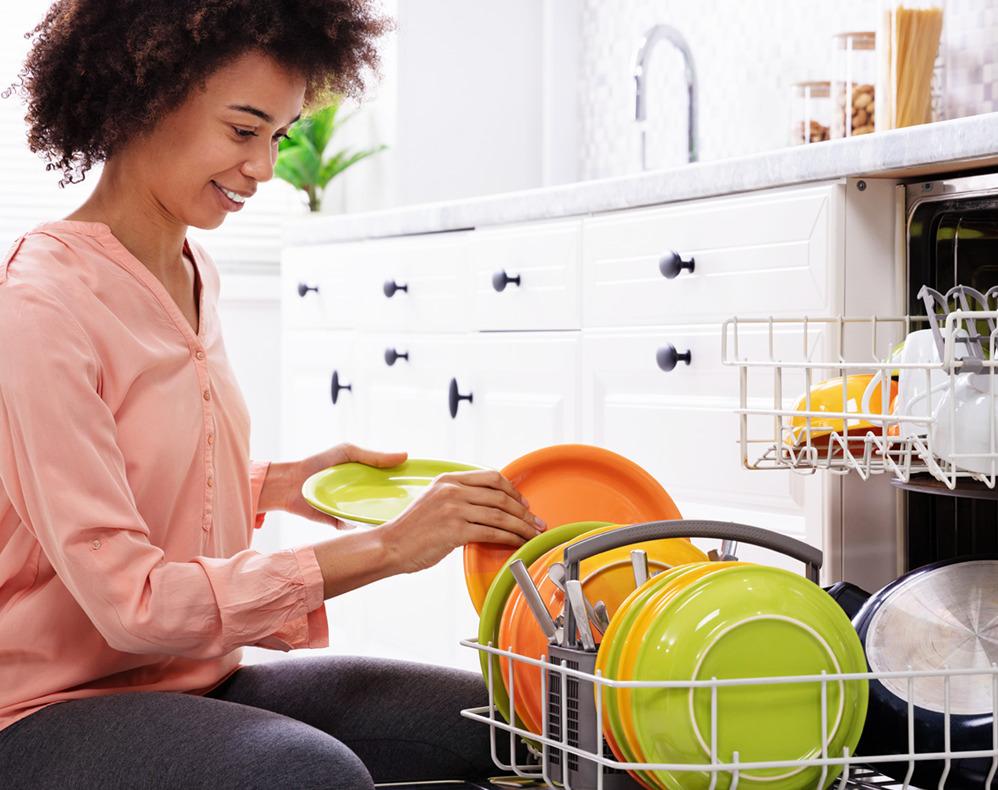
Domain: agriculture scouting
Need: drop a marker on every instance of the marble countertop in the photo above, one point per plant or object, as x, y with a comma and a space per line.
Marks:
946, 147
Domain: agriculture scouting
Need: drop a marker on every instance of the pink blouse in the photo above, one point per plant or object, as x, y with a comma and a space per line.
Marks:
127, 497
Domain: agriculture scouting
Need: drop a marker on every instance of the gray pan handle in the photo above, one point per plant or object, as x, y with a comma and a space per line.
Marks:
659, 530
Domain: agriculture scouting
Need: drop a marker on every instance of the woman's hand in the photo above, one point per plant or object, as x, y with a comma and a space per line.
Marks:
299, 471
458, 508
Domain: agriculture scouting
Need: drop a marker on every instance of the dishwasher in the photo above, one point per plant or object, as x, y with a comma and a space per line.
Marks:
935, 440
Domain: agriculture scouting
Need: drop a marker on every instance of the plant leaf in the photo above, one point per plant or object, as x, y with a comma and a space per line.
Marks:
341, 161
299, 166
322, 126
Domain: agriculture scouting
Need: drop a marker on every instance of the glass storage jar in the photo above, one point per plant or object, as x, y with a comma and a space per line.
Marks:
854, 84
812, 112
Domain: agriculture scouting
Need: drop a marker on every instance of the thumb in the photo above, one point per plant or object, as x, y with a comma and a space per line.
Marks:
379, 459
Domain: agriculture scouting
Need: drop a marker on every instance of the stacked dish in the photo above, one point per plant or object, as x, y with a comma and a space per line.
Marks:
578, 490
729, 620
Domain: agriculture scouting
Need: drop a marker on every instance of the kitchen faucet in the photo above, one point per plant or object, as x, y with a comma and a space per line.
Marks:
651, 38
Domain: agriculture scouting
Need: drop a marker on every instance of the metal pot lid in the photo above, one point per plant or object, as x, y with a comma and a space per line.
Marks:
944, 618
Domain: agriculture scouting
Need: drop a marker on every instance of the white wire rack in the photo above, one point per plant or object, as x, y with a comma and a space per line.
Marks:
780, 360
857, 771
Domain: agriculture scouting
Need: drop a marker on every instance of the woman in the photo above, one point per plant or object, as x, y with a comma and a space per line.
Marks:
128, 500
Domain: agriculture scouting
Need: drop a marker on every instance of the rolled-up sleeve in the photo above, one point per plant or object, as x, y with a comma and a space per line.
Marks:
258, 474
66, 478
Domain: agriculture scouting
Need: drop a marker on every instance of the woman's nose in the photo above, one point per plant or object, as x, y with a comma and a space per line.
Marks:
260, 166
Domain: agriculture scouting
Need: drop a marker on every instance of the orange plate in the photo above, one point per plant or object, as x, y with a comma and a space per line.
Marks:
607, 576
568, 483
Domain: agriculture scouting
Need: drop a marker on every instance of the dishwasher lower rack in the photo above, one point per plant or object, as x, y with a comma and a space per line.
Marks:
570, 752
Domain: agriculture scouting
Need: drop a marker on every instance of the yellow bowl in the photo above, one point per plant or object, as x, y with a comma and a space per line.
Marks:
827, 397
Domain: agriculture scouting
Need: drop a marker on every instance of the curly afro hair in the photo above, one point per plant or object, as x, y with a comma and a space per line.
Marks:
100, 71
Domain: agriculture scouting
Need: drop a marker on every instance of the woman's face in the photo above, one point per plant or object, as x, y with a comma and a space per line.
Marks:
223, 137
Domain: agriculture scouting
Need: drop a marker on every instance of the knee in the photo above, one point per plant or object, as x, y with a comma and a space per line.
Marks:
309, 759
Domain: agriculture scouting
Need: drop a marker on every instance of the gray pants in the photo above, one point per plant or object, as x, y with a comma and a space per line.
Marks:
318, 722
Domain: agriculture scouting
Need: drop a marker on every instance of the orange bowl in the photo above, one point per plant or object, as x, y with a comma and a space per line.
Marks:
567, 483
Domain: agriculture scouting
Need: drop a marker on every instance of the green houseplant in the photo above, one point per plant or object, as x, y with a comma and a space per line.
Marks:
301, 159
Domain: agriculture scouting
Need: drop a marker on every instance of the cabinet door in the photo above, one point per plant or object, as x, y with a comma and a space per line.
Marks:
311, 421
526, 394
681, 426
406, 404
420, 616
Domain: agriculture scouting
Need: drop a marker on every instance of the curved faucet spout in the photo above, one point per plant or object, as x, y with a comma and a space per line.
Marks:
647, 45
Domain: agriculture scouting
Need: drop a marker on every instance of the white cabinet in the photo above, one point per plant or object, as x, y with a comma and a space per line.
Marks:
418, 284
315, 366
572, 352
761, 254
406, 404
681, 426
527, 276
317, 288
526, 394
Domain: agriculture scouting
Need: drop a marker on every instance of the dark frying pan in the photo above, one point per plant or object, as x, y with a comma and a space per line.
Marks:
943, 615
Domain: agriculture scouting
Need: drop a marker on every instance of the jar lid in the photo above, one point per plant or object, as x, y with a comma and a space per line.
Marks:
817, 88
856, 40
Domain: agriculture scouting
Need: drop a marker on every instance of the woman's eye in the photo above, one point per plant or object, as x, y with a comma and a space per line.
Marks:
279, 137
244, 132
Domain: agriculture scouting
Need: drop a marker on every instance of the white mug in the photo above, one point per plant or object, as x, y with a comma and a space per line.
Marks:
965, 429
916, 384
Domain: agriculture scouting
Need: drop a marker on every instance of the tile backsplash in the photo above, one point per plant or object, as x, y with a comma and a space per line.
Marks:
747, 55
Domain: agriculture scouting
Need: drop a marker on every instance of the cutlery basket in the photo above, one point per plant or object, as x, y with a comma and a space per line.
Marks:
578, 726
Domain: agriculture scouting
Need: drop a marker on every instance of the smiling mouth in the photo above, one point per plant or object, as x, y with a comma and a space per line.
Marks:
235, 197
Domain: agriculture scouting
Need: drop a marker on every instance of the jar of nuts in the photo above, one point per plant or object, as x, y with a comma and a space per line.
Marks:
812, 112
855, 75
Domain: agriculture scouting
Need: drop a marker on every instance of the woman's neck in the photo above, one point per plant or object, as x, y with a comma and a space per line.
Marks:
137, 220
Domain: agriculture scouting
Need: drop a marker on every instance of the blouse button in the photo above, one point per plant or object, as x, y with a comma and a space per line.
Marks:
95, 544
207, 395
211, 438
200, 355
211, 481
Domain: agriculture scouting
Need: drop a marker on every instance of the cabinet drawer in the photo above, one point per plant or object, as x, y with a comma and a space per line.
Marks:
419, 284
764, 254
527, 277
318, 285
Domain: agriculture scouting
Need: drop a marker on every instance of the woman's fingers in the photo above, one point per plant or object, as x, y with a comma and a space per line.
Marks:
487, 478
482, 533
500, 500
500, 519
374, 457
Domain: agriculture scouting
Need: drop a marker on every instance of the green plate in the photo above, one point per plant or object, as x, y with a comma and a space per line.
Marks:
499, 592
617, 635
752, 621
370, 495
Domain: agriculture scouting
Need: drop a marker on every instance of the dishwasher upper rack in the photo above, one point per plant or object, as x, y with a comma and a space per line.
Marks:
858, 771
851, 346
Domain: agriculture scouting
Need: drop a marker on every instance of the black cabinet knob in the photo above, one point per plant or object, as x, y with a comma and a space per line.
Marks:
304, 289
667, 357
454, 398
335, 387
671, 264
500, 280
392, 356
391, 288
